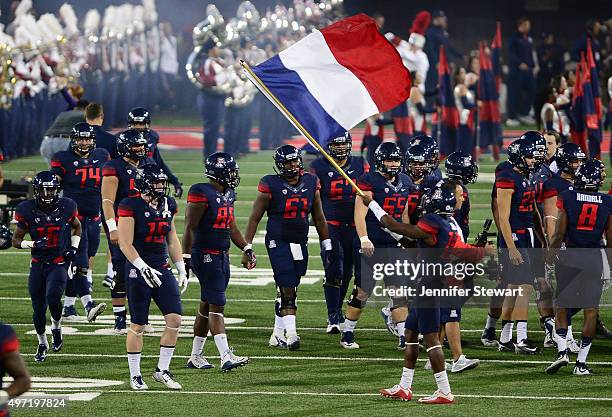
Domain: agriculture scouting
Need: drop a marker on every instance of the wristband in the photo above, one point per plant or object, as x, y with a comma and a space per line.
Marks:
377, 210
27, 244
247, 247
111, 224
4, 397
140, 264
180, 267
75, 241
326, 244
187, 256
364, 238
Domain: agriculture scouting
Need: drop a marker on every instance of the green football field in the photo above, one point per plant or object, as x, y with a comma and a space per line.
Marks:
321, 378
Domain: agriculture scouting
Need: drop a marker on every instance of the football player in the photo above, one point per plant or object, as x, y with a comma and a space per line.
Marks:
515, 213
147, 235
79, 169
584, 216
435, 231
338, 199
389, 186
11, 363
209, 227
118, 182
55, 230
139, 118
288, 198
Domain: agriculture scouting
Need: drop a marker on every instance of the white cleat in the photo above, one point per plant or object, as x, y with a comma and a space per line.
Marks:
427, 366
94, 310
166, 378
464, 364
582, 369
199, 362
148, 328
138, 384
277, 341
573, 346
230, 361
348, 341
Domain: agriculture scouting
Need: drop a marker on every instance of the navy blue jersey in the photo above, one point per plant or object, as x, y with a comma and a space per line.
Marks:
436, 174
126, 174
55, 226
289, 206
337, 195
8, 343
501, 167
213, 232
106, 141
151, 226
416, 192
523, 198
393, 198
81, 178
554, 186
587, 217
462, 216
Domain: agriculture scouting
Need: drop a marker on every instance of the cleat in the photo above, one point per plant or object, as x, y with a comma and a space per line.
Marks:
402, 343
427, 366
70, 313
385, 314
348, 341
549, 340
277, 341
230, 361
397, 392
558, 363
506, 347
41, 353
199, 362
602, 331
94, 310
526, 347
166, 378
293, 342
56, 340
120, 325
333, 324
148, 328
464, 364
582, 369
488, 337
573, 346
438, 397
138, 384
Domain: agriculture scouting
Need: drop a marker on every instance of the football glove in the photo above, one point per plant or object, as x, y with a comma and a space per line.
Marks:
70, 254
40, 243
178, 189
108, 282
251, 259
151, 276
187, 261
183, 281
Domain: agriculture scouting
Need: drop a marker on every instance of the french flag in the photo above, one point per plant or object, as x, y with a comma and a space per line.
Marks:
333, 79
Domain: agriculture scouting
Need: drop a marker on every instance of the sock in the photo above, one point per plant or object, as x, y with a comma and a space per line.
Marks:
90, 276
491, 322
289, 322
134, 364
585, 346
279, 327
407, 375
401, 328
570, 335
332, 296
349, 325
109, 270
561, 340
56, 324
119, 311
506, 333
521, 330
86, 299
442, 382
165, 355
69, 301
198, 345
221, 342
42, 339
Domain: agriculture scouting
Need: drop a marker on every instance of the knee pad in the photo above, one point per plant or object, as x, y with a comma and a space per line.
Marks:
81, 271
120, 289
288, 298
335, 282
354, 301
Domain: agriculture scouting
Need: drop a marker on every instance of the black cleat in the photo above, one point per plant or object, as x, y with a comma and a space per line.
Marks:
488, 337
505, 347
602, 331
527, 347
41, 353
58, 342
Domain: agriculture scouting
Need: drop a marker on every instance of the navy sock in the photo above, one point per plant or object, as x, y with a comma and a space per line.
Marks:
332, 296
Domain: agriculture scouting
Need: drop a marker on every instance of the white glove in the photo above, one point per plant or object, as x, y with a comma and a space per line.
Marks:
182, 279
150, 275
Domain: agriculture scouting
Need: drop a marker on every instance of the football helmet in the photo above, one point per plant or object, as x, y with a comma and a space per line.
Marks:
283, 158
46, 187
82, 139
151, 180
139, 115
566, 155
222, 168
539, 141
340, 148
461, 167
415, 162
590, 175
388, 151
439, 200
6, 237
431, 148
518, 151
132, 144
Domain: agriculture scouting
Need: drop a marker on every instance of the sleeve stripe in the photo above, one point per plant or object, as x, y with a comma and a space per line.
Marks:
263, 188
196, 198
125, 212
427, 227
109, 172
9, 346
504, 183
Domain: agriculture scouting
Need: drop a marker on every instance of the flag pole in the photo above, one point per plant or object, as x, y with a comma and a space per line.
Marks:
261, 86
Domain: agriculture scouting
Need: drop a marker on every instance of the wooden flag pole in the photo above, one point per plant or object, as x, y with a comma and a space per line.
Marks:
262, 87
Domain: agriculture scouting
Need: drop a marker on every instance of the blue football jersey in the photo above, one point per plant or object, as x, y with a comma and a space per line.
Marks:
151, 227
462, 216
126, 174
289, 206
55, 226
393, 198
213, 232
337, 195
81, 178
587, 217
553, 186
523, 198
414, 198
501, 167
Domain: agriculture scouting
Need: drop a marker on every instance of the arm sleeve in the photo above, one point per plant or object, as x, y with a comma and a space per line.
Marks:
109, 171
57, 168
264, 187
125, 210
21, 219
196, 196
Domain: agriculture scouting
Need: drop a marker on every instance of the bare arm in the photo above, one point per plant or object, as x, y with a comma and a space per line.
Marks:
75, 225
18, 237
494, 212
109, 193
15, 367
319, 218
126, 238
361, 210
551, 215
174, 245
236, 235
259, 208
559, 233
537, 225
193, 214
504, 200
409, 230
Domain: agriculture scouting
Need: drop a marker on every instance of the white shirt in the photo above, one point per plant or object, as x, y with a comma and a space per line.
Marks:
168, 56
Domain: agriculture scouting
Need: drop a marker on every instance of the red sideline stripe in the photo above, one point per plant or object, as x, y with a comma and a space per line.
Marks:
358, 46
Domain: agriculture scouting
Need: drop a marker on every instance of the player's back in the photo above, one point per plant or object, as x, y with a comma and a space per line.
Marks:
587, 217
213, 231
